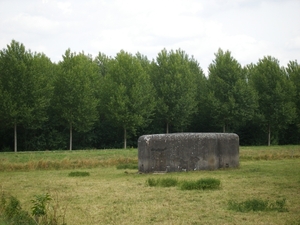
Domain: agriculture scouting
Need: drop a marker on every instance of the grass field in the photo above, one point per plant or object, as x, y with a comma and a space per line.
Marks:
121, 196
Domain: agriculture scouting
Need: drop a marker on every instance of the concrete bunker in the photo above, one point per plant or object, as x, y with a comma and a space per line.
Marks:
187, 151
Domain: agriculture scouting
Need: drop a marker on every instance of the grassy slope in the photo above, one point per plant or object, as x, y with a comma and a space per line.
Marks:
111, 196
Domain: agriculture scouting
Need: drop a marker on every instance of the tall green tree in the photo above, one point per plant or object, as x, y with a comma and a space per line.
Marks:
102, 61
232, 101
129, 94
74, 92
43, 71
275, 95
145, 62
24, 90
200, 118
293, 73
176, 88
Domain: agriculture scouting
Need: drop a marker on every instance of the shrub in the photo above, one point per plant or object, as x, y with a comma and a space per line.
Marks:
202, 184
79, 174
257, 205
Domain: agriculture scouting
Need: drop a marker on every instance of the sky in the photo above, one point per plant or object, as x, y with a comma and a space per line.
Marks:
249, 29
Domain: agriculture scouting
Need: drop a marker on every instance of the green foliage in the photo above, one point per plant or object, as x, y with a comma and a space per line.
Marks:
256, 204
162, 182
108, 102
74, 97
201, 184
12, 212
102, 62
275, 95
293, 73
231, 100
176, 88
39, 204
24, 88
128, 93
79, 174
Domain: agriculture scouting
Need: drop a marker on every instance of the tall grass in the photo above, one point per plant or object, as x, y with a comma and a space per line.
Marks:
49, 164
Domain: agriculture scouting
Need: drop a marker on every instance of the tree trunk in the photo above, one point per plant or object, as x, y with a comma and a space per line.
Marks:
224, 128
125, 138
15, 138
269, 136
167, 128
71, 136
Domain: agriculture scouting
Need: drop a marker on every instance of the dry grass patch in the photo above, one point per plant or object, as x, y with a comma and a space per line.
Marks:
25, 161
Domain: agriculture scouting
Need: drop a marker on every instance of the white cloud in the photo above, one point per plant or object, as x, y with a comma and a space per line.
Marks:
249, 29
35, 24
294, 43
65, 7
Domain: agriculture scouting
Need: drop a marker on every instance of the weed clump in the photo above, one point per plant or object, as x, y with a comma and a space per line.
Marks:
257, 205
201, 184
151, 182
79, 174
39, 210
162, 182
12, 212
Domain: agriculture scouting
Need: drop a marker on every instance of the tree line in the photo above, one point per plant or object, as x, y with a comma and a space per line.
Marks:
83, 102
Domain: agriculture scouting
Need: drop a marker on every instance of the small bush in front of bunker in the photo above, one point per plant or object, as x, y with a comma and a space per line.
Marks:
162, 182
201, 184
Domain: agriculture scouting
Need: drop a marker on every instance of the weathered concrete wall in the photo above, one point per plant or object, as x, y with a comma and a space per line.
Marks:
187, 151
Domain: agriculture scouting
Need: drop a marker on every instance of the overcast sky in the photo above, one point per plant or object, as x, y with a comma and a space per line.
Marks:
250, 29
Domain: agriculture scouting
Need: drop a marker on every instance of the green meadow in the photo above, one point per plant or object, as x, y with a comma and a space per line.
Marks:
90, 187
